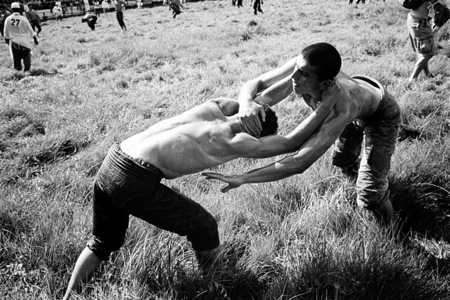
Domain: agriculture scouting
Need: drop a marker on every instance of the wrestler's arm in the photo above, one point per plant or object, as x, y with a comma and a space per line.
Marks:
294, 164
269, 88
228, 106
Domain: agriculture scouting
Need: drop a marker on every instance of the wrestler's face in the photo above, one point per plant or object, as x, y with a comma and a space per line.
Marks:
305, 78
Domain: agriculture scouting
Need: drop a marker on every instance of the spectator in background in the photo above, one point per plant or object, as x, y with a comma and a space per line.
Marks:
421, 36
34, 19
96, 8
4, 13
139, 4
57, 12
119, 14
90, 18
44, 17
17, 33
257, 6
174, 5
239, 3
105, 6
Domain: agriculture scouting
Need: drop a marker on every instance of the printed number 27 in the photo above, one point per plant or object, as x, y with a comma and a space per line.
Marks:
15, 22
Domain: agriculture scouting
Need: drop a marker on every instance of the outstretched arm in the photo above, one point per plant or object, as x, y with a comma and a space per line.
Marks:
275, 144
309, 152
269, 88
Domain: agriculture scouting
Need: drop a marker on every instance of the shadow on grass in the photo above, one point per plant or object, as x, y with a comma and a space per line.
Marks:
424, 221
42, 72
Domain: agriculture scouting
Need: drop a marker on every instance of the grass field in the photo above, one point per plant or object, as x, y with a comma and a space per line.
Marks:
298, 238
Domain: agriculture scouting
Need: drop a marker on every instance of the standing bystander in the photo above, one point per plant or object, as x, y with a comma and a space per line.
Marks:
57, 11
421, 36
4, 13
17, 34
256, 4
34, 19
119, 14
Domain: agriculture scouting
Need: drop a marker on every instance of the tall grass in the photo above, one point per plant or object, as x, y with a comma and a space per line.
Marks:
298, 238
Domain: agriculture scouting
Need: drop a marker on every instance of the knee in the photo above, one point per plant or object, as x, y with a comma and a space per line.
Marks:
207, 236
103, 249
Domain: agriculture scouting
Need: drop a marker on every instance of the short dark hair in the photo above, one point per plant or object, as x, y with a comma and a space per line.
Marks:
325, 57
270, 125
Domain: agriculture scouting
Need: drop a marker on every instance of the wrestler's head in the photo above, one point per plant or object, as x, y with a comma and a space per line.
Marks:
270, 125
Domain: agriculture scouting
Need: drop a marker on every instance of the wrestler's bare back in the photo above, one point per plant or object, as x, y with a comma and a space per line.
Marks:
357, 96
188, 143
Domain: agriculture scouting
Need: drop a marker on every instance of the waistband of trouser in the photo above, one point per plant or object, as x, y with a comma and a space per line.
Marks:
421, 21
134, 167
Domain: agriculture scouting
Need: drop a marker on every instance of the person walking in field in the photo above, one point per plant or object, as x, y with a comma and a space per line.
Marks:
34, 19
18, 34
119, 13
90, 18
105, 6
175, 5
256, 4
128, 181
57, 12
421, 36
4, 14
365, 117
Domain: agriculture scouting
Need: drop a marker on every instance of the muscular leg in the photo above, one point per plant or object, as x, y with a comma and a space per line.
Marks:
85, 266
421, 64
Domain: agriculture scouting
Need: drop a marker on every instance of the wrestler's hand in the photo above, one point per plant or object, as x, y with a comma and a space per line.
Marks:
233, 181
249, 117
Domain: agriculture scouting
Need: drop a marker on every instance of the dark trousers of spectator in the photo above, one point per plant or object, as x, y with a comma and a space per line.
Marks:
20, 52
239, 3
119, 16
257, 7
91, 22
59, 18
34, 25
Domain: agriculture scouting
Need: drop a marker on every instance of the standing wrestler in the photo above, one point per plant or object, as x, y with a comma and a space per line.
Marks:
365, 117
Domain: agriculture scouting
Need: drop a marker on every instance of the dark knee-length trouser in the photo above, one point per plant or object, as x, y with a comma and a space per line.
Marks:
125, 186
375, 138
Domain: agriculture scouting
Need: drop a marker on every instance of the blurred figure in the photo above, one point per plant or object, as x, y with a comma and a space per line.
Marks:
4, 13
34, 19
97, 8
175, 7
17, 34
257, 6
57, 11
90, 18
239, 3
105, 6
119, 14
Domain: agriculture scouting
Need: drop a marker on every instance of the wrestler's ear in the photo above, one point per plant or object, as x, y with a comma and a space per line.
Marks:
323, 85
